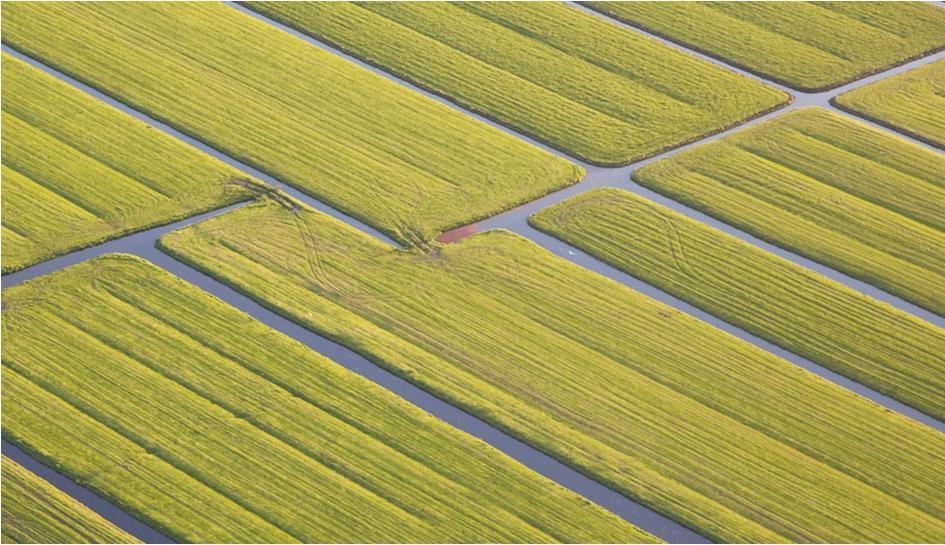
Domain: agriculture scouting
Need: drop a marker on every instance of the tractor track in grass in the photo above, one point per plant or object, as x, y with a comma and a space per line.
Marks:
637, 514
142, 244
516, 219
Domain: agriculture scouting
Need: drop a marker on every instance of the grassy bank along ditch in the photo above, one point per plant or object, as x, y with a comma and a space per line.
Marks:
826, 187
393, 158
658, 405
36, 512
912, 102
77, 172
211, 427
589, 88
811, 46
773, 298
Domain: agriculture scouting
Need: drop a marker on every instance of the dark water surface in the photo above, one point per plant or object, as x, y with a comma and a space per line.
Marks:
106, 509
142, 244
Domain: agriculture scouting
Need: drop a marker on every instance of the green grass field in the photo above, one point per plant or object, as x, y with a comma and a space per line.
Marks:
36, 512
799, 310
660, 406
810, 46
828, 188
245, 435
912, 102
365, 145
77, 172
598, 92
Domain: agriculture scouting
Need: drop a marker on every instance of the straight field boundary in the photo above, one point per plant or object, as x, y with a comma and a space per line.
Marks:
596, 178
95, 503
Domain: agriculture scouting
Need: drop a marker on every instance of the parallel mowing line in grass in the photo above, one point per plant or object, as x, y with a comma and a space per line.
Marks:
869, 205
96, 456
368, 147
808, 46
582, 85
36, 512
692, 422
912, 102
70, 180
783, 303
284, 435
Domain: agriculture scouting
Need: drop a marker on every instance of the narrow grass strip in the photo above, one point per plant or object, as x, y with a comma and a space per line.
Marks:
291, 446
386, 155
826, 187
788, 305
77, 172
717, 434
912, 102
589, 88
811, 46
36, 512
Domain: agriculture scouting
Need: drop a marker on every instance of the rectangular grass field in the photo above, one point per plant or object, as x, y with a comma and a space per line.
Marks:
912, 102
659, 406
594, 90
77, 172
36, 512
211, 427
369, 147
810, 46
826, 187
788, 305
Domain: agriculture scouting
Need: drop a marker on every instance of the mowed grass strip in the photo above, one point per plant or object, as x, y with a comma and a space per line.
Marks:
811, 46
828, 188
708, 429
400, 161
77, 171
589, 88
36, 512
804, 312
912, 102
290, 445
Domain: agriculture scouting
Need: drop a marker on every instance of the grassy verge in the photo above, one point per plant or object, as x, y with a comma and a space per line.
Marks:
36, 512
662, 407
912, 102
808, 46
245, 435
589, 88
804, 312
828, 188
77, 172
367, 146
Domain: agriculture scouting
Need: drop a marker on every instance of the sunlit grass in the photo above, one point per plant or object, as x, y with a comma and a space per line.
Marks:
35, 512
585, 86
212, 427
663, 408
771, 297
387, 155
77, 172
829, 188
912, 102
808, 45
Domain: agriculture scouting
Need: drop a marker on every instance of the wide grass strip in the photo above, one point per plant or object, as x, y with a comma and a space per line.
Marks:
828, 188
799, 310
662, 407
214, 428
77, 171
387, 155
811, 46
912, 102
587, 87
36, 512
